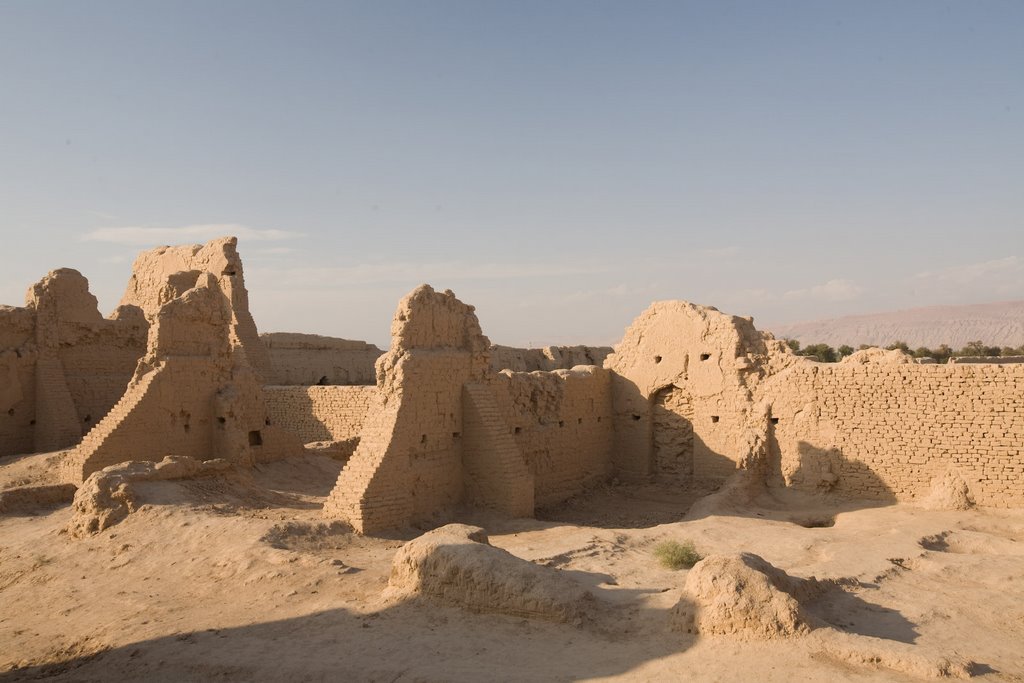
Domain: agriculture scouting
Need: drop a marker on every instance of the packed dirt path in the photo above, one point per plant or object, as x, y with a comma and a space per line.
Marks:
238, 578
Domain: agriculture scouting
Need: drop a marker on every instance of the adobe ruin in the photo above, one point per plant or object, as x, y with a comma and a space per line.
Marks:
437, 426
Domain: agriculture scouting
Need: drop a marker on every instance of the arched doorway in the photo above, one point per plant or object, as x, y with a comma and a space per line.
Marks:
672, 434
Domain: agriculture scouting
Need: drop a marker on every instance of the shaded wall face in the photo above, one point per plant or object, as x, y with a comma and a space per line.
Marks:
308, 366
885, 432
672, 434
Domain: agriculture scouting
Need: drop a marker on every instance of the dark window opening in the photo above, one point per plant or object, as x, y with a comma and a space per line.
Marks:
636, 417
579, 420
705, 356
266, 421
255, 438
657, 359
561, 423
518, 430
187, 427
714, 418
456, 435
31, 423
423, 439
87, 418
322, 382
775, 420
222, 420
11, 412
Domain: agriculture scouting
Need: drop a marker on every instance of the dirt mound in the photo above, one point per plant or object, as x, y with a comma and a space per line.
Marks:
26, 498
876, 356
456, 566
107, 496
743, 595
949, 492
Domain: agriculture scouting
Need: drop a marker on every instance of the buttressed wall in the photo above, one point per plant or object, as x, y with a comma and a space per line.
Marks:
195, 392
411, 465
62, 365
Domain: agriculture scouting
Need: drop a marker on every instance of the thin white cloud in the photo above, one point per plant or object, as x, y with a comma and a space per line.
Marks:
833, 290
142, 236
974, 272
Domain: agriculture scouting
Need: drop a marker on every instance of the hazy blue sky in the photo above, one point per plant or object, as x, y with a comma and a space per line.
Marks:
558, 164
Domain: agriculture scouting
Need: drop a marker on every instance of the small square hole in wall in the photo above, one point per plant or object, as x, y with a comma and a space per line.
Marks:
705, 356
598, 418
714, 418
222, 420
636, 418
423, 439
456, 435
561, 423
518, 430
11, 412
775, 420
579, 420
657, 359
255, 438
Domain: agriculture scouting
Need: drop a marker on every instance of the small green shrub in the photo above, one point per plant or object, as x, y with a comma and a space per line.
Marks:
676, 555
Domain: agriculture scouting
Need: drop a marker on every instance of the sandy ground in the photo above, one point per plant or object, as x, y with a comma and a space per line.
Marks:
237, 578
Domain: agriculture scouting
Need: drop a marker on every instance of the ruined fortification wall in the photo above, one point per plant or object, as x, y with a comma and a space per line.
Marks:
195, 392
682, 390
17, 380
308, 359
319, 413
63, 366
885, 431
162, 274
562, 423
434, 438
546, 359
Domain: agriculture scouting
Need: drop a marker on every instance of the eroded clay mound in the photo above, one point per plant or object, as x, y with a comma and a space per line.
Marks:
743, 595
877, 356
107, 497
949, 492
456, 566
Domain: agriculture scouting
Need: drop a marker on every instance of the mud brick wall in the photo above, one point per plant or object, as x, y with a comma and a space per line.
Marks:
885, 431
319, 413
308, 359
562, 423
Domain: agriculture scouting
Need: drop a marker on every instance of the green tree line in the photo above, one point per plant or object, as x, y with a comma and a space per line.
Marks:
823, 353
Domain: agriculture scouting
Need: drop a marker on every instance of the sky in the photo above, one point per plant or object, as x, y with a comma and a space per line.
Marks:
559, 165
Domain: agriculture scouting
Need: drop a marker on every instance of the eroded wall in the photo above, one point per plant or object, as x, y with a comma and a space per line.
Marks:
196, 392
683, 379
408, 467
62, 365
562, 423
162, 274
308, 359
547, 358
320, 413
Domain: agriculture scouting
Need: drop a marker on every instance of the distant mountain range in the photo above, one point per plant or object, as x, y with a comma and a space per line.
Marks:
995, 324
